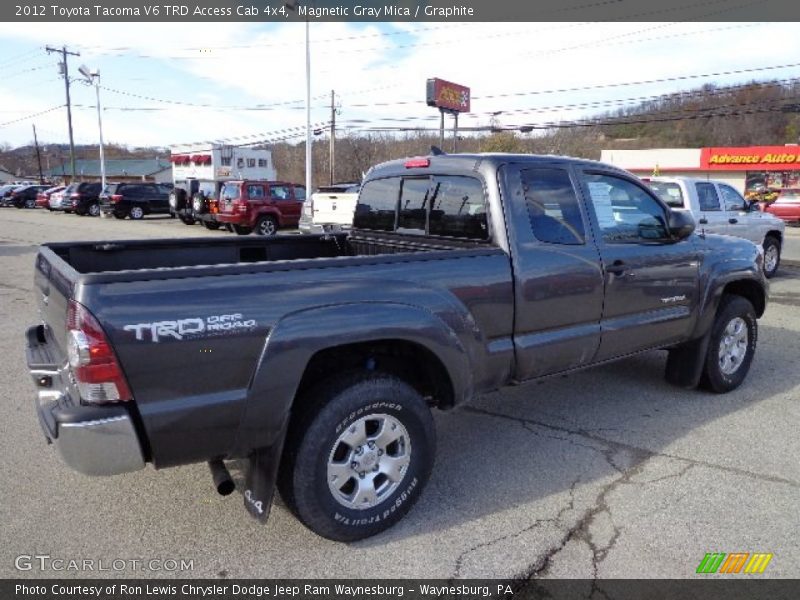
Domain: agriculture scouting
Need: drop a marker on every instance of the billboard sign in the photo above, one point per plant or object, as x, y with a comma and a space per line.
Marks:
447, 95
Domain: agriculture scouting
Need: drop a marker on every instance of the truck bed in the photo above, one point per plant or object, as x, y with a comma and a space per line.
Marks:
169, 257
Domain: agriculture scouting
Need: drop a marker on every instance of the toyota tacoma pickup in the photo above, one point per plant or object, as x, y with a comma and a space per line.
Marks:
318, 359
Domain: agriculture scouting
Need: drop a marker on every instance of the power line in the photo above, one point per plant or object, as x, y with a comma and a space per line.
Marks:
26, 117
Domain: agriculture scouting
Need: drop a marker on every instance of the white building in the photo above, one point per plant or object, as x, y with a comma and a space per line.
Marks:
217, 162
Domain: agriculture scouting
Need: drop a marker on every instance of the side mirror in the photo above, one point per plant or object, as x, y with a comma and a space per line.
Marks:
680, 224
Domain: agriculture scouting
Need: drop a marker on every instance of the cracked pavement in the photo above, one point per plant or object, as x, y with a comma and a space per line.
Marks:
607, 473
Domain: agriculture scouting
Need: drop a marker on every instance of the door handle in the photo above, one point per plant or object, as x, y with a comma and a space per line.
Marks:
617, 267
733, 221
703, 221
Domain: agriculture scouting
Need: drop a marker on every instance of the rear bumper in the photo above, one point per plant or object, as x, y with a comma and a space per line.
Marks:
93, 440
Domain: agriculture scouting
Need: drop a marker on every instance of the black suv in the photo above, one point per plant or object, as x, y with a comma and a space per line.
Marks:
82, 198
135, 200
25, 197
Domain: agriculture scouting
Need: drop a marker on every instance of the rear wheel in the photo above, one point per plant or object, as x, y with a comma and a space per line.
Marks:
136, 213
772, 256
242, 230
732, 345
266, 225
358, 456
30, 203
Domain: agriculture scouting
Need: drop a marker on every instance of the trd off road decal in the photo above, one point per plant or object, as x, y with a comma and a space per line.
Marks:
193, 328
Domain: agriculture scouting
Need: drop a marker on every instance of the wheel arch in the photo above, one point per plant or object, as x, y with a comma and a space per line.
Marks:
315, 343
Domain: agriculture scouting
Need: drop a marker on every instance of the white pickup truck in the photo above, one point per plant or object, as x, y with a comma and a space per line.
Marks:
719, 208
330, 208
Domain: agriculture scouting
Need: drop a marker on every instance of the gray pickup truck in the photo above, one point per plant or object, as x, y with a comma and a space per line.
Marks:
317, 359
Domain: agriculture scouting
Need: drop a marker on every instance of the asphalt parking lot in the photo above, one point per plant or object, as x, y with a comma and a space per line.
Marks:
607, 473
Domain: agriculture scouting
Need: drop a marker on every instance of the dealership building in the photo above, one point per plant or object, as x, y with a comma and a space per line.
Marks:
747, 168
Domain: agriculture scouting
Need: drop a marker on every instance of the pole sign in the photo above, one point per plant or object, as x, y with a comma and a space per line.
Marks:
447, 96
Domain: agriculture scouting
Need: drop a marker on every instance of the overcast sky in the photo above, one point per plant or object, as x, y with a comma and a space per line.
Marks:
165, 84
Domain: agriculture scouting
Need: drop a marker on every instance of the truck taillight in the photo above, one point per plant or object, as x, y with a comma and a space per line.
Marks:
240, 206
92, 360
116, 197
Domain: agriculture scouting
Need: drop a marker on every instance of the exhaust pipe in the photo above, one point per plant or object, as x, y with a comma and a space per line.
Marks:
222, 479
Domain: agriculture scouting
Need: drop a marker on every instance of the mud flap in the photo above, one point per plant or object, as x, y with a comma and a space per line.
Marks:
685, 363
262, 472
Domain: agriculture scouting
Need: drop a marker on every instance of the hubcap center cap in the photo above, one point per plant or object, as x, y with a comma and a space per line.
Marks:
368, 460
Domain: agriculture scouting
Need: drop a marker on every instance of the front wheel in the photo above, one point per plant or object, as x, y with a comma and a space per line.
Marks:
358, 457
30, 203
732, 345
772, 256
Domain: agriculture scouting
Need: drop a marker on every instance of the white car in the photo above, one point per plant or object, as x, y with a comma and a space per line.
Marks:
719, 208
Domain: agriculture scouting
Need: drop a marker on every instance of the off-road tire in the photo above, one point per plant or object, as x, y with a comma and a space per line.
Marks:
330, 409
714, 378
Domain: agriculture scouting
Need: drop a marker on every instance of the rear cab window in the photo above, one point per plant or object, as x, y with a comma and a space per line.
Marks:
437, 205
669, 192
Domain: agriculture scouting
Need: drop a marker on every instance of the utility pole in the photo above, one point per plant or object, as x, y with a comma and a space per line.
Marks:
332, 159
64, 52
38, 155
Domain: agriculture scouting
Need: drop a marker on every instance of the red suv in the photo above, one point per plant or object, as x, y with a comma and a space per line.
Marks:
260, 206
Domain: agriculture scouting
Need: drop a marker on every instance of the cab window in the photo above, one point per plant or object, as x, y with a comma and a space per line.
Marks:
707, 196
458, 208
733, 200
255, 192
377, 205
625, 212
553, 209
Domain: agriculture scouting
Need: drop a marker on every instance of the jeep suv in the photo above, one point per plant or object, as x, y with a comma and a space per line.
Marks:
262, 207
134, 200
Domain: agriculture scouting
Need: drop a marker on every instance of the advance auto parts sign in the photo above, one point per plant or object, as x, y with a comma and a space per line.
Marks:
754, 158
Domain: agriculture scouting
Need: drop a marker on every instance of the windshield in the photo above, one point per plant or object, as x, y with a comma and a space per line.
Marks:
670, 193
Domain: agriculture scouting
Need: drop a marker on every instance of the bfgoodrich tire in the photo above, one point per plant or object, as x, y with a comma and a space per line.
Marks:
732, 345
358, 457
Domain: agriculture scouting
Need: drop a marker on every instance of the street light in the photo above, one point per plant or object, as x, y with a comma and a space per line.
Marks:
94, 77
292, 5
